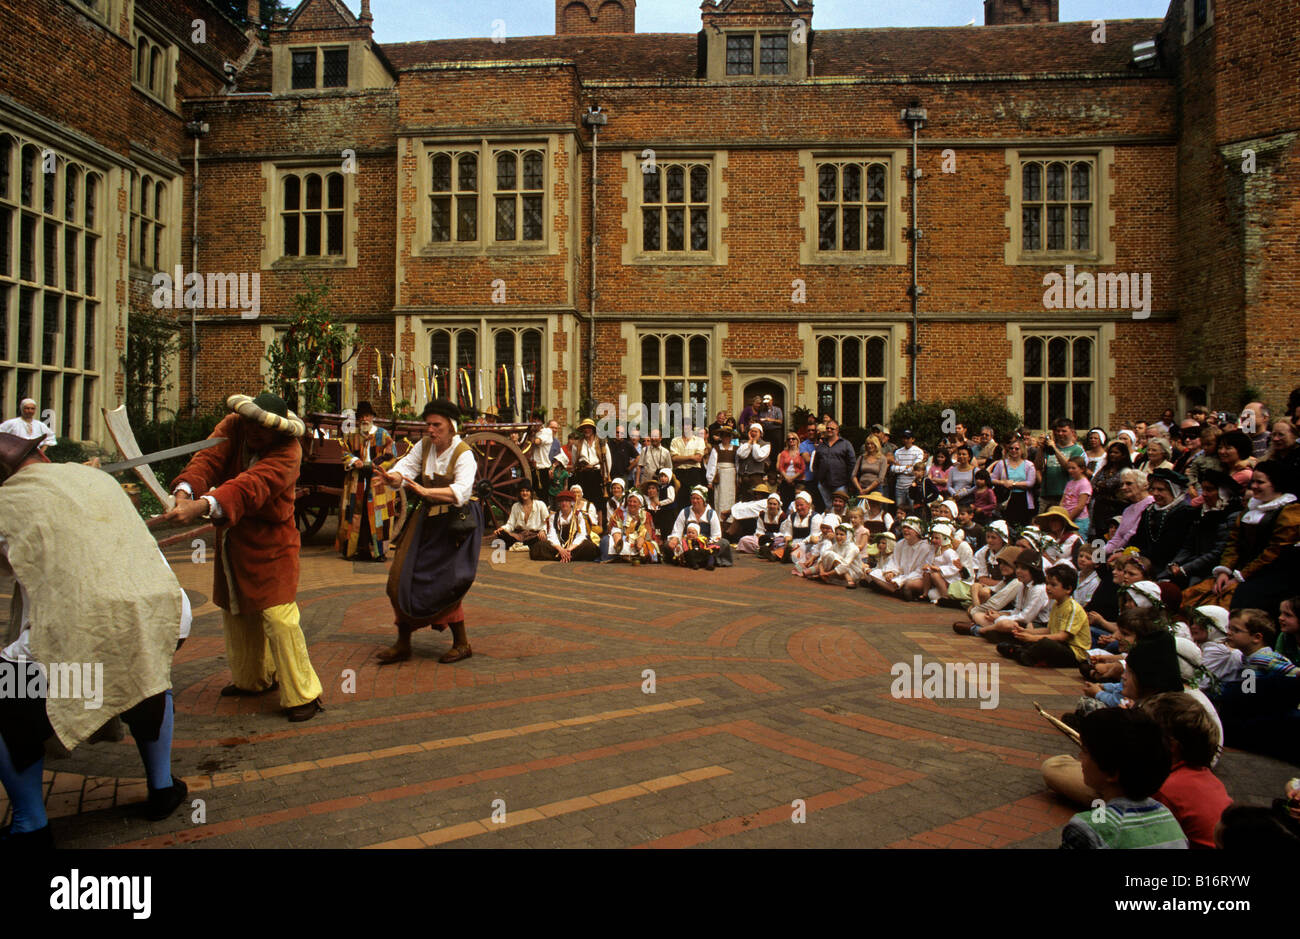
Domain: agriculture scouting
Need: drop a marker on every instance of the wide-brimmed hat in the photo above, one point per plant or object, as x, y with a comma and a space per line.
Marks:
15, 449
566, 494
1010, 554
1056, 512
587, 422
842, 493
876, 496
762, 489
1029, 558
270, 411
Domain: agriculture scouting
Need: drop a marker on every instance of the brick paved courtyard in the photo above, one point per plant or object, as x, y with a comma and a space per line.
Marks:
767, 690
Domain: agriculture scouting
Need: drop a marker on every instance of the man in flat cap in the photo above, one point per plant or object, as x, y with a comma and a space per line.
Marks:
246, 486
436, 555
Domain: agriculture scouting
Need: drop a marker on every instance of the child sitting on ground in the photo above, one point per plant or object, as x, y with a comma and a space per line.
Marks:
1125, 763
1192, 792
1031, 608
1209, 629
807, 555
1003, 594
1064, 641
1252, 632
838, 561
1288, 630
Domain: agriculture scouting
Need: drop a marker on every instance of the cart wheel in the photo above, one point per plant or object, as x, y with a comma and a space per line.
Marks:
310, 518
501, 468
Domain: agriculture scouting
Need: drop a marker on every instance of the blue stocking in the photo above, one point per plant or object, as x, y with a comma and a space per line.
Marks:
26, 792
157, 754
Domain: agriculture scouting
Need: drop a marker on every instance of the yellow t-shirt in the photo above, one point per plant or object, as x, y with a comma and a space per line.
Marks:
1069, 617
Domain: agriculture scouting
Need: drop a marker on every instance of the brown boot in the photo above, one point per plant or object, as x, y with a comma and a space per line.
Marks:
459, 645
399, 651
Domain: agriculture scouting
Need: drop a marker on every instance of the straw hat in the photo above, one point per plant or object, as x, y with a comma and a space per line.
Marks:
1056, 512
875, 496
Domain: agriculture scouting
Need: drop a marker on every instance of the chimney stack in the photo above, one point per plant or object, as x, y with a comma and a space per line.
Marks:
1014, 12
255, 12
365, 18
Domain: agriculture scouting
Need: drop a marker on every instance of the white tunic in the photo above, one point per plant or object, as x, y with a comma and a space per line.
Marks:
462, 482
20, 428
535, 520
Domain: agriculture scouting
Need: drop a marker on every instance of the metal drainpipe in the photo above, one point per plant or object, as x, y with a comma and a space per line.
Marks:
595, 118
915, 116
196, 129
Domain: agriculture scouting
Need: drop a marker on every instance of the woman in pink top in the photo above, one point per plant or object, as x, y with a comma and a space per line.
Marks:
1078, 493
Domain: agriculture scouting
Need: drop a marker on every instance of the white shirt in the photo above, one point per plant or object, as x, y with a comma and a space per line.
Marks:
908, 559
842, 555
906, 457
1032, 606
20, 428
787, 527
692, 447
555, 522
709, 519
409, 467
758, 451
542, 448
535, 520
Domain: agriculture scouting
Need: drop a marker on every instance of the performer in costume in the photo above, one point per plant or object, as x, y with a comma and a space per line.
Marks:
568, 535
592, 465
71, 605
752, 461
246, 486
367, 505
631, 534
28, 427
436, 553
527, 521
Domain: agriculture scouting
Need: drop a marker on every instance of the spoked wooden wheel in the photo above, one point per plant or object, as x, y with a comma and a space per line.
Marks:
502, 467
310, 518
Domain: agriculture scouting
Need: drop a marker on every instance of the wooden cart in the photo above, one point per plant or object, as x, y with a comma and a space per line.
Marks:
501, 451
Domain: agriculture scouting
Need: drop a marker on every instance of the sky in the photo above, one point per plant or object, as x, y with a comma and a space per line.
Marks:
408, 20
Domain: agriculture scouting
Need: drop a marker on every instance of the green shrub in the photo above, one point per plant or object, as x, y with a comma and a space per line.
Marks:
926, 419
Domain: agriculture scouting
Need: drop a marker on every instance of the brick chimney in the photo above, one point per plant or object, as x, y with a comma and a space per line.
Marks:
594, 16
255, 12
365, 18
1012, 12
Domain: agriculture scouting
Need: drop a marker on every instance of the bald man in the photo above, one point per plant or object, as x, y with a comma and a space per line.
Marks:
28, 427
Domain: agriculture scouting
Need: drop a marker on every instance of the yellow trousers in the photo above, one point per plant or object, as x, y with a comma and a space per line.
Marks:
267, 645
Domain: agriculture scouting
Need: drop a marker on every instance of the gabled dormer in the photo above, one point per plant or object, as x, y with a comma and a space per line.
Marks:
323, 48
755, 40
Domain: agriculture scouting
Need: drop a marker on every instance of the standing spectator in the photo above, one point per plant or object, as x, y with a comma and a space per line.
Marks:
791, 466
961, 477
1235, 450
544, 439
751, 462
871, 470
1078, 493
654, 457
1095, 450
1014, 477
833, 464
621, 453
1255, 424
723, 423
773, 420
905, 457
1055, 452
749, 413
1283, 447
688, 454
28, 427
988, 447
1106, 499
938, 470
808, 447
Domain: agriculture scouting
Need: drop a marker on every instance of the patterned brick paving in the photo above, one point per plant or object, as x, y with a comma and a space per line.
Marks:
771, 724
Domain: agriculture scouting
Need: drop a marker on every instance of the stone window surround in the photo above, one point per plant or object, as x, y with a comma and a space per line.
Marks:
895, 244
105, 12
1103, 215
166, 94
710, 377
485, 330
273, 258
716, 52
486, 243
718, 220
886, 381
1190, 29
1103, 334
282, 67
169, 220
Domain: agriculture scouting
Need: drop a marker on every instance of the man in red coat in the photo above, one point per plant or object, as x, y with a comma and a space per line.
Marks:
246, 486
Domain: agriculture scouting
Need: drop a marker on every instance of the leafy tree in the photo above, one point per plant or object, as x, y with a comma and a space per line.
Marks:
926, 419
312, 351
151, 342
237, 10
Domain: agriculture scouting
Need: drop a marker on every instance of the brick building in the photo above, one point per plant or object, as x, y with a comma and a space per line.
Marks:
751, 188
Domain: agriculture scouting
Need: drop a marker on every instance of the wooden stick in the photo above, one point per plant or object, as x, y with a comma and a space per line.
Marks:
1059, 725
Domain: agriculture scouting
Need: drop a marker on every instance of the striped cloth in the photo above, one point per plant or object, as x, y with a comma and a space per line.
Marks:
1124, 823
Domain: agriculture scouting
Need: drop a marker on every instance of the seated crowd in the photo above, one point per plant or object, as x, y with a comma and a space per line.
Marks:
1159, 562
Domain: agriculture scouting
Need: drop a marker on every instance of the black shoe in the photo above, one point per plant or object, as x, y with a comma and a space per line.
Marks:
162, 802
1007, 650
234, 691
38, 840
304, 712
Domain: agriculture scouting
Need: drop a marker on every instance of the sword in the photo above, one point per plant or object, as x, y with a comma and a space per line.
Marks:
163, 454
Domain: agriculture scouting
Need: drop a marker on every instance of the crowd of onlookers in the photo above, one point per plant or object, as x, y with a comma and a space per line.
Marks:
1161, 561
